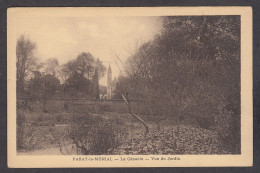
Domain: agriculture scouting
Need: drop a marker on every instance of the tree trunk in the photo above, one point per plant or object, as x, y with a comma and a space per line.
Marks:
136, 116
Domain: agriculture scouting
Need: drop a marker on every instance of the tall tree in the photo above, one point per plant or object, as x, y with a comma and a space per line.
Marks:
101, 68
84, 64
25, 62
51, 66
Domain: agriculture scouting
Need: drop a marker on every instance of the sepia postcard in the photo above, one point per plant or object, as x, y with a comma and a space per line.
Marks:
129, 87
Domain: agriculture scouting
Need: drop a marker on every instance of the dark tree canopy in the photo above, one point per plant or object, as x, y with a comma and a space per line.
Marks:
191, 69
43, 88
80, 77
43, 85
190, 51
85, 65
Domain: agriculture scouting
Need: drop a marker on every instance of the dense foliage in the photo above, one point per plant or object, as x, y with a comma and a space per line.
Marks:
193, 68
76, 78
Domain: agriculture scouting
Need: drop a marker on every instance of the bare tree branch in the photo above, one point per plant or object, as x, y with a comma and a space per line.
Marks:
136, 116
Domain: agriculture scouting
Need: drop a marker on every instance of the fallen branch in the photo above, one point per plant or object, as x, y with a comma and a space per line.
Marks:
136, 116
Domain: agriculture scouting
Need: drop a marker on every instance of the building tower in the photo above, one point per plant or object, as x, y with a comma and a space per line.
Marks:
109, 83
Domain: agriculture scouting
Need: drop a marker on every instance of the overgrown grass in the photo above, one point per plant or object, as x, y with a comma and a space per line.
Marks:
120, 133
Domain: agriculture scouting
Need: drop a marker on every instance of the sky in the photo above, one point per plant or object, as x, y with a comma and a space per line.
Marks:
66, 37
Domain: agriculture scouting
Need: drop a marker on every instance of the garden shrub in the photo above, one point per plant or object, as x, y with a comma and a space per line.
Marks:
25, 134
95, 135
228, 128
20, 129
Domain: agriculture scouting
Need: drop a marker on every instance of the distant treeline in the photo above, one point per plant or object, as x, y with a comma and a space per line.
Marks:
46, 80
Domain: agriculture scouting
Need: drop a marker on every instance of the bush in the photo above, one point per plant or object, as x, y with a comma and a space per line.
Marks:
20, 129
228, 128
26, 138
95, 135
